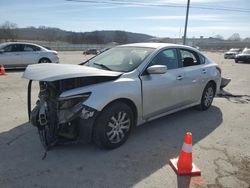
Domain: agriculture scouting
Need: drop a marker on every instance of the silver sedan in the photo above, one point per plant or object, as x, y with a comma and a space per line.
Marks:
16, 54
101, 100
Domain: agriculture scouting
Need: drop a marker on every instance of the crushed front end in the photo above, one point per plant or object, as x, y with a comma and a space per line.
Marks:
61, 120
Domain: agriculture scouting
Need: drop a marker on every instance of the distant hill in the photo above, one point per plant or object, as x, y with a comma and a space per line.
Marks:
95, 37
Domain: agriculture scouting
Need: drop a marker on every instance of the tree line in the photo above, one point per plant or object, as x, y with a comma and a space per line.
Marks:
10, 32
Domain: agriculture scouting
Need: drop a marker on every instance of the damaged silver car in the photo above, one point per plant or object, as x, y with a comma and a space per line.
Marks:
101, 100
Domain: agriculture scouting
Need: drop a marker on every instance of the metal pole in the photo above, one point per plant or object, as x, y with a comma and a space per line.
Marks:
186, 22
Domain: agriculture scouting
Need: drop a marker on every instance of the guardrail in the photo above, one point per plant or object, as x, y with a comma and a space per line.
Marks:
76, 47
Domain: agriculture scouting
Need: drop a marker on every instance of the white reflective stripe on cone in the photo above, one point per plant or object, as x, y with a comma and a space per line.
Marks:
187, 148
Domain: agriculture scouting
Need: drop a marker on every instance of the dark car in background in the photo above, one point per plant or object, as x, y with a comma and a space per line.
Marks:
91, 52
232, 53
244, 56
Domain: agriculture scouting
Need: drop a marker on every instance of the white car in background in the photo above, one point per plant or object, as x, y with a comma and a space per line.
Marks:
231, 54
17, 54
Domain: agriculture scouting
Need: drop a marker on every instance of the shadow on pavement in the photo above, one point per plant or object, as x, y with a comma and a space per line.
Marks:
15, 70
147, 150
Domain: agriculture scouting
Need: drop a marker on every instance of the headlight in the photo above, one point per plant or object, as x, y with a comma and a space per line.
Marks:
70, 101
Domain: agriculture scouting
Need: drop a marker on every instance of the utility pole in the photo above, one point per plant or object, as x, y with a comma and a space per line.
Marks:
186, 22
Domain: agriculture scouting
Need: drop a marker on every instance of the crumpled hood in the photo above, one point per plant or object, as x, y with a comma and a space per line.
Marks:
53, 72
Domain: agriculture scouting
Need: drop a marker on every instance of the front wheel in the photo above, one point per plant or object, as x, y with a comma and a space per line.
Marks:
113, 126
207, 97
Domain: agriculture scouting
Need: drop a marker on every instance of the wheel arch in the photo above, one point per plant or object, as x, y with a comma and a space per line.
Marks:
130, 103
44, 58
213, 84
126, 101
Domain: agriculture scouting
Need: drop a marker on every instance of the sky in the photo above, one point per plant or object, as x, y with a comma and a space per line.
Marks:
159, 18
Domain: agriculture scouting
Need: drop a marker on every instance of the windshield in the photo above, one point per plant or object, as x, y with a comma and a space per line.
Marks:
121, 59
2, 45
246, 51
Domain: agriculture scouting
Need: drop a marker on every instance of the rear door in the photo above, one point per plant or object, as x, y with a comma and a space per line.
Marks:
162, 92
194, 73
30, 54
11, 56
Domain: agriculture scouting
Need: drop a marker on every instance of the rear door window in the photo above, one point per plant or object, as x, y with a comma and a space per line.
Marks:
189, 58
30, 48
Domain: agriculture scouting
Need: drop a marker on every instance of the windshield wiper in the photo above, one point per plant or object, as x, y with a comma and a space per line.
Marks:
83, 63
103, 66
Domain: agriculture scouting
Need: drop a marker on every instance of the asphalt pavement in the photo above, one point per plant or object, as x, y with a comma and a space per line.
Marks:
221, 138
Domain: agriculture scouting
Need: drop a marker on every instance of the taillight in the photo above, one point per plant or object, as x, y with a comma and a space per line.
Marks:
218, 69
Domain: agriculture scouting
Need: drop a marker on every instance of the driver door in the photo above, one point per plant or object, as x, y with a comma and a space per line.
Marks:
11, 56
162, 92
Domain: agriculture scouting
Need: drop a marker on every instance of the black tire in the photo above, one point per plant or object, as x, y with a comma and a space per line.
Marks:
236, 61
107, 131
207, 97
44, 60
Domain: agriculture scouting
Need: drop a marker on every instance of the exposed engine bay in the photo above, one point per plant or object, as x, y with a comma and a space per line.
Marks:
63, 119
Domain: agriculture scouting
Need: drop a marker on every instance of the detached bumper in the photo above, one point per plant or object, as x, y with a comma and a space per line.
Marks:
224, 82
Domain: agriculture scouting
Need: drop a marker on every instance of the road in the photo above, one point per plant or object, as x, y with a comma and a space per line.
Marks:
221, 138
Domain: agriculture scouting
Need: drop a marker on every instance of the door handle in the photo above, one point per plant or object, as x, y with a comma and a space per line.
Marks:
204, 71
179, 77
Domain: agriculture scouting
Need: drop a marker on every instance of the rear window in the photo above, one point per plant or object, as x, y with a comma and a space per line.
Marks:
30, 48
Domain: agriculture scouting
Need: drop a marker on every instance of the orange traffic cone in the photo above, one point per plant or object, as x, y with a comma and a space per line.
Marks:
2, 70
183, 165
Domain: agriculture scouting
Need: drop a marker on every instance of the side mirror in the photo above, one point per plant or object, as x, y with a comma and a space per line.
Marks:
157, 69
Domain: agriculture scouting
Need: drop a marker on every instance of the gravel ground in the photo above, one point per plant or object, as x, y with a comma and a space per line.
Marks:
220, 143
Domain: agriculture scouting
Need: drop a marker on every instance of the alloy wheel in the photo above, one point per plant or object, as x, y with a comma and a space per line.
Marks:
209, 95
118, 125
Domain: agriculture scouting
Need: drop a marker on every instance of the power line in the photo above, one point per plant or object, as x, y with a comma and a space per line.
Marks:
150, 4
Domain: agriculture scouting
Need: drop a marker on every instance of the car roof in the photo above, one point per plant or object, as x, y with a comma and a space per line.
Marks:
154, 45
7, 43
235, 49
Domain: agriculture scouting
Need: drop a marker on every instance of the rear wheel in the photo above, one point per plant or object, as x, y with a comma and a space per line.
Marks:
207, 97
113, 126
44, 60
236, 61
